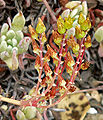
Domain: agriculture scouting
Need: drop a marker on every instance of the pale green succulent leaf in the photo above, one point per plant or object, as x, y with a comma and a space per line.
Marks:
14, 42
9, 42
84, 8
70, 32
4, 55
65, 13
23, 45
74, 13
99, 34
20, 115
3, 46
4, 29
18, 22
30, 112
12, 62
10, 34
9, 49
3, 38
19, 35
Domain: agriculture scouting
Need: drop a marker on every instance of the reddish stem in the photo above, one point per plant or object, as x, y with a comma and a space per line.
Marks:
57, 69
80, 57
41, 65
52, 45
65, 58
92, 17
45, 117
49, 10
26, 55
11, 113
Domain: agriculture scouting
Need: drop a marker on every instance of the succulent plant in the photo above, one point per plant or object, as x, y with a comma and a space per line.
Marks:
26, 113
30, 112
20, 115
12, 41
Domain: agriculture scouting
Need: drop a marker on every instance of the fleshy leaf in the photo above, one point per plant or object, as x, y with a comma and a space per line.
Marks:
30, 112
84, 8
73, 13
88, 42
79, 7
4, 29
79, 33
36, 48
19, 35
86, 25
72, 4
3, 38
70, 32
20, 115
23, 45
60, 25
99, 34
10, 34
65, 13
18, 22
3, 46
81, 18
33, 33
57, 38
44, 39
40, 28
12, 62
68, 22
9, 63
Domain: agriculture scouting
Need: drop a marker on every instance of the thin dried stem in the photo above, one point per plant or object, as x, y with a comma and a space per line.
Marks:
10, 100
49, 10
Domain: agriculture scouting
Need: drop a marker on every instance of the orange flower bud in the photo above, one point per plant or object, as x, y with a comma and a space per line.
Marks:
72, 88
33, 33
53, 92
47, 70
71, 42
57, 38
85, 65
61, 81
47, 57
55, 61
79, 33
44, 39
36, 48
52, 53
88, 42
69, 70
43, 82
70, 60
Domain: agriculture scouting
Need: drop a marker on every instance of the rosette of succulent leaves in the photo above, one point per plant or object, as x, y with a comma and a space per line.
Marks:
12, 41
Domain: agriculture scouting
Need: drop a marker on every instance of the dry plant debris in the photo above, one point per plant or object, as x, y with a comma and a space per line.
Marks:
76, 106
